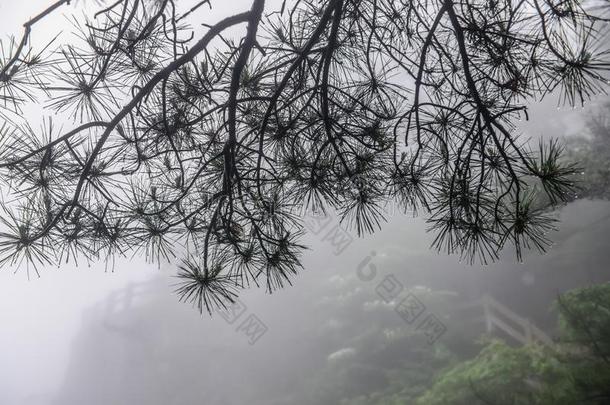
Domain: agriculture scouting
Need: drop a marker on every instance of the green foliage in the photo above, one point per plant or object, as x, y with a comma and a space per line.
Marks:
417, 365
575, 371
585, 328
592, 152
382, 360
501, 374
585, 318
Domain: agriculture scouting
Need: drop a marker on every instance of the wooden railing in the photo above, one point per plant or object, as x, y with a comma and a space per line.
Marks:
498, 316
123, 300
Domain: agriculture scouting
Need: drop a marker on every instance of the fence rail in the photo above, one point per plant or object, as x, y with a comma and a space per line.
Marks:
498, 316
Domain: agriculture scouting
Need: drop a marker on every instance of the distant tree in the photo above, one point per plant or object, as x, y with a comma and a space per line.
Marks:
585, 326
592, 152
574, 372
502, 375
387, 361
182, 138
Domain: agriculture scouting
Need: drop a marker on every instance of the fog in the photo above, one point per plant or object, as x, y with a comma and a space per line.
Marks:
97, 335
62, 343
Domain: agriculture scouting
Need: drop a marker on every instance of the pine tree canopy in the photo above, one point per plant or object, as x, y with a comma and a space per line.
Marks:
162, 136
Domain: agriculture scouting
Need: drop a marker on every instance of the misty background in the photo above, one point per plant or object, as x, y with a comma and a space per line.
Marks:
97, 335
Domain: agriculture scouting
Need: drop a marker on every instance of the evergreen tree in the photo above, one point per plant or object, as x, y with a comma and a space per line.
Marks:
179, 137
575, 371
